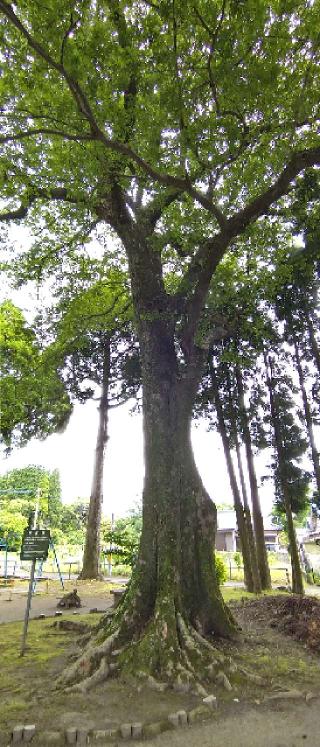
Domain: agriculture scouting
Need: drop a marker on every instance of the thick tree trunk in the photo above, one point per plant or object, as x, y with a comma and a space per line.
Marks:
297, 580
91, 557
262, 556
179, 519
308, 417
248, 520
173, 601
241, 523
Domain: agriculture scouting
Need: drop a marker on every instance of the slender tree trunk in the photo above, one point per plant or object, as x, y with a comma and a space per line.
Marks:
297, 580
313, 341
91, 557
244, 540
308, 416
255, 500
248, 520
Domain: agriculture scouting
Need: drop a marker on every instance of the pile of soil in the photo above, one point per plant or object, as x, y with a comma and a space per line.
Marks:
293, 615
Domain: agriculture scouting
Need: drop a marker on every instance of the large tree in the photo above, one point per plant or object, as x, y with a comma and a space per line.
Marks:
178, 124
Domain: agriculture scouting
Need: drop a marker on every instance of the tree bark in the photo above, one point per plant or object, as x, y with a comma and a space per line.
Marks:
255, 500
173, 600
248, 520
308, 416
91, 556
313, 341
297, 580
242, 528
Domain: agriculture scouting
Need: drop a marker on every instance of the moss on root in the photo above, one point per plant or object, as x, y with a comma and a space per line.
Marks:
167, 651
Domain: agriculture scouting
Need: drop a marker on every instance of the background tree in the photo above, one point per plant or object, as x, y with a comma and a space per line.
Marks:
152, 119
33, 399
18, 494
289, 446
92, 350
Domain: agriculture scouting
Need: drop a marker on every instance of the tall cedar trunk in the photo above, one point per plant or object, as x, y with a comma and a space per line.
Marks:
297, 580
248, 520
247, 512
308, 417
242, 528
91, 557
255, 500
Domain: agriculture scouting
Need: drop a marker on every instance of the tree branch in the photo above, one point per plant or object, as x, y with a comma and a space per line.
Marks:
44, 131
77, 93
260, 205
59, 193
196, 281
153, 211
116, 146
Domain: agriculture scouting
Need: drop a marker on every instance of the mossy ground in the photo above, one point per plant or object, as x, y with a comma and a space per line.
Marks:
26, 684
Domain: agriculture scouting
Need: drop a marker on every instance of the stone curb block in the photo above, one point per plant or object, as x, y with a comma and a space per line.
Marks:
82, 736
183, 718
210, 701
17, 734
136, 730
125, 731
29, 732
71, 736
173, 719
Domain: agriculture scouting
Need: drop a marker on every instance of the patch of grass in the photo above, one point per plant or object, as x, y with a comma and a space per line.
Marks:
236, 594
34, 672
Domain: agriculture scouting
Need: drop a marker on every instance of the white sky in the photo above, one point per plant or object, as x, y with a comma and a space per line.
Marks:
72, 453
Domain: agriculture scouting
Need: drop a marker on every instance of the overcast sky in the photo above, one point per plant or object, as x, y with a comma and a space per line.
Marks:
72, 453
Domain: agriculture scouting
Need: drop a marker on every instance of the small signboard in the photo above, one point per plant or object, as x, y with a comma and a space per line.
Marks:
35, 544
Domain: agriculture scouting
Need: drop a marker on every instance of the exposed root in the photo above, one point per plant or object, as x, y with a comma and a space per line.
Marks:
166, 652
84, 669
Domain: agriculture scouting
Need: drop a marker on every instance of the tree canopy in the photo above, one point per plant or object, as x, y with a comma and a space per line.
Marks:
178, 126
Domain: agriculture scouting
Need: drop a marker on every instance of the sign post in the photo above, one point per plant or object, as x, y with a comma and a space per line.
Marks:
35, 546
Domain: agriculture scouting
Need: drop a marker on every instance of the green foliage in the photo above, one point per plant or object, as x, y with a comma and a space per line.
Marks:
221, 570
71, 525
123, 540
237, 559
33, 398
19, 489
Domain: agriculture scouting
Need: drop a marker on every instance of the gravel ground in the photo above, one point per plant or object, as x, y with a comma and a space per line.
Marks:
13, 610
287, 727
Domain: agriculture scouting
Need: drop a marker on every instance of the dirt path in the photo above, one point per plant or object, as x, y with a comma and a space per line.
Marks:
45, 605
290, 726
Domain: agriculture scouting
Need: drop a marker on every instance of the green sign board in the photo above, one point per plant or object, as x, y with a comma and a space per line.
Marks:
35, 544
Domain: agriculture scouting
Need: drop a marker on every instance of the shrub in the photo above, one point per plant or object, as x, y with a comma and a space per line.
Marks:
221, 570
237, 559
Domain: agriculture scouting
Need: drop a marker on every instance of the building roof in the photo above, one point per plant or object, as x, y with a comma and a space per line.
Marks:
227, 521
